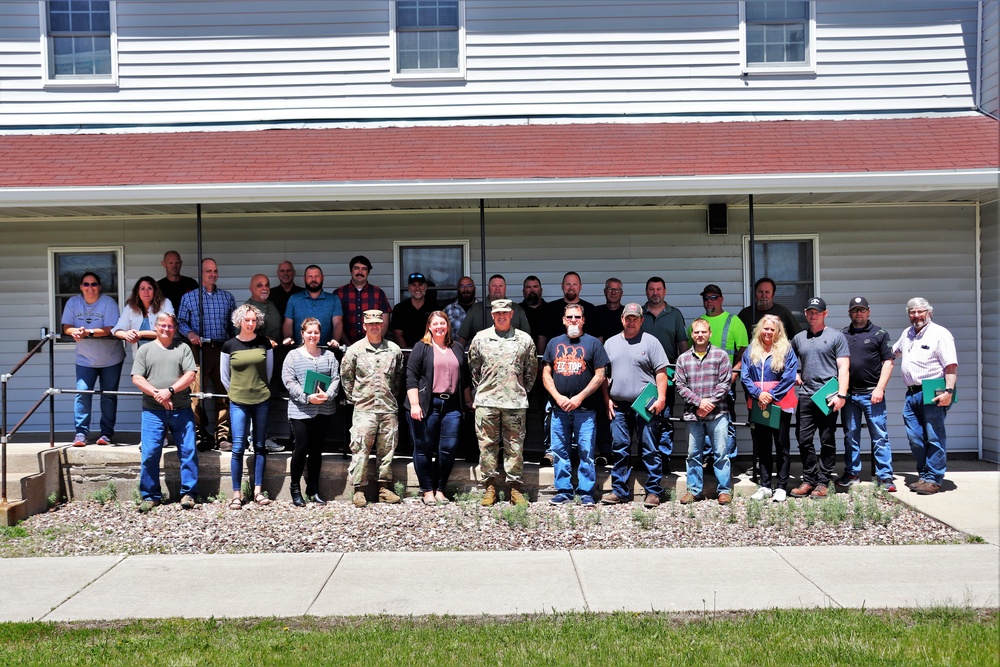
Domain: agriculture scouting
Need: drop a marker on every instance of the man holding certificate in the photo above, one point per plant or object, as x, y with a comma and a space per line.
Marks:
824, 371
930, 372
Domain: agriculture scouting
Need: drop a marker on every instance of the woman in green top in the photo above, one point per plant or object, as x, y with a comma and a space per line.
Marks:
246, 363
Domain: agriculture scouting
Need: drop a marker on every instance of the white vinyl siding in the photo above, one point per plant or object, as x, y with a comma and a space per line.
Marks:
989, 95
990, 240
186, 61
863, 250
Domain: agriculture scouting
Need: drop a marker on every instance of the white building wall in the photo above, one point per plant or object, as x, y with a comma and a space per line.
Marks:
888, 254
990, 236
200, 61
990, 83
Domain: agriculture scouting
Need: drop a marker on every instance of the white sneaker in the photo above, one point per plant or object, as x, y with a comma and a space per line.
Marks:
780, 495
763, 493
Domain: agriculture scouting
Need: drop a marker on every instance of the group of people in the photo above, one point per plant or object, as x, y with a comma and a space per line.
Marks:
602, 388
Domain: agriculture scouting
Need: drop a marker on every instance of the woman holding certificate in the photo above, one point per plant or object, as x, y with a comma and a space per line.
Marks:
768, 373
437, 386
246, 364
312, 377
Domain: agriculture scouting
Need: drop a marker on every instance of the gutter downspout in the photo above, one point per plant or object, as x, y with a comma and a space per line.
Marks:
482, 257
979, 328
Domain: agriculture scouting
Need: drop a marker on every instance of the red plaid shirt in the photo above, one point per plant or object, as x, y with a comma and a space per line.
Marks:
356, 302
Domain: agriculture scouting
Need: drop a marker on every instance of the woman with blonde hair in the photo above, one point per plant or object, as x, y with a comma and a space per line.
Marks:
246, 363
768, 374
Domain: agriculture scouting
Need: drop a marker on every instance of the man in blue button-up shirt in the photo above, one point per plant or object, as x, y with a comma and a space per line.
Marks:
206, 335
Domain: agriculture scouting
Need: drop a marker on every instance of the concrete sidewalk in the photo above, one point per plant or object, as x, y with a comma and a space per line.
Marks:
474, 583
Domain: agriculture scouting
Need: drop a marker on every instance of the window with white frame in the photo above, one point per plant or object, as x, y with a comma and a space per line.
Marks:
66, 269
80, 41
443, 263
792, 262
778, 34
429, 38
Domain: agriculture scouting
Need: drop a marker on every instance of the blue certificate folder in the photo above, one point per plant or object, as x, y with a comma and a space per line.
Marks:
932, 388
822, 395
316, 382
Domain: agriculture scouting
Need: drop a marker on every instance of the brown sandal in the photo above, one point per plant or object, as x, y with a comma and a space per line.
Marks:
236, 504
261, 499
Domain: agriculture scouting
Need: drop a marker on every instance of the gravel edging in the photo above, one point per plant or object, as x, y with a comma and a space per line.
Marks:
86, 528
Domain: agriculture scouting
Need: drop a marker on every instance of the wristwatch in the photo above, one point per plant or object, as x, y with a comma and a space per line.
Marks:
90, 334
843, 398
950, 390
171, 390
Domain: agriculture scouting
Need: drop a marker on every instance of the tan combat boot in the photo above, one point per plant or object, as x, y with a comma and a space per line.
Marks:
516, 497
387, 495
359, 497
490, 497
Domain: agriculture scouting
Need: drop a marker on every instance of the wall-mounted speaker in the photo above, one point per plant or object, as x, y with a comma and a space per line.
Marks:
718, 219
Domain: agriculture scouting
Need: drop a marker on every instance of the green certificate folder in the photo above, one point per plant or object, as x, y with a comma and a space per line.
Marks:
932, 388
769, 416
646, 397
826, 391
316, 382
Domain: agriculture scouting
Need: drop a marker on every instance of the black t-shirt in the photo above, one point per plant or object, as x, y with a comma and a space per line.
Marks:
279, 297
535, 316
412, 321
552, 324
573, 361
175, 290
869, 348
606, 322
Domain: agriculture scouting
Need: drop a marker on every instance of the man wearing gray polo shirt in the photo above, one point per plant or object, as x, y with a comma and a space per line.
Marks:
823, 354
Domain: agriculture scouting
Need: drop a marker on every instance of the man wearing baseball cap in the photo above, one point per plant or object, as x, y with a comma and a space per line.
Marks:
409, 317
871, 368
823, 354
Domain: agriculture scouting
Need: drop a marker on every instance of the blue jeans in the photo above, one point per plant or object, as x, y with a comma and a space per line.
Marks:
730, 433
625, 421
717, 431
569, 428
925, 431
155, 424
86, 379
435, 439
239, 416
875, 417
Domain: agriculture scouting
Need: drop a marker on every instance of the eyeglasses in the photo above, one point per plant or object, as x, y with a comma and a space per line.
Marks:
91, 284
615, 290
572, 317
711, 297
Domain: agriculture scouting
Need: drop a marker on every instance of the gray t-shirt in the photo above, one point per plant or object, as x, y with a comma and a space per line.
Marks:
94, 352
818, 357
162, 367
634, 363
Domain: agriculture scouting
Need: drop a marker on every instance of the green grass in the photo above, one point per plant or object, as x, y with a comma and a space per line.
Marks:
943, 636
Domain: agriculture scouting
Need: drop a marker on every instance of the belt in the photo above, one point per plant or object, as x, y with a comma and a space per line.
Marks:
443, 397
914, 388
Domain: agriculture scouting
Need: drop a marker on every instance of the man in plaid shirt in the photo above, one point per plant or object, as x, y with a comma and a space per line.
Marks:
358, 296
702, 377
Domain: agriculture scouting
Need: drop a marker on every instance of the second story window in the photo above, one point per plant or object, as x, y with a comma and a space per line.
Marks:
80, 40
778, 33
429, 35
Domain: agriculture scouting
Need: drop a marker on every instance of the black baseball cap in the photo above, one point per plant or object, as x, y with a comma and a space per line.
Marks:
417, 278
816, 303
858, 302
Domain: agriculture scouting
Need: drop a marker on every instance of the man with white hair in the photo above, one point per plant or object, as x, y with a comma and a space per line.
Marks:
929, 367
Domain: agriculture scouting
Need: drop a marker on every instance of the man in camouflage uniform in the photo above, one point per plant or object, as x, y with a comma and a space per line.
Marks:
503, 365
372, 374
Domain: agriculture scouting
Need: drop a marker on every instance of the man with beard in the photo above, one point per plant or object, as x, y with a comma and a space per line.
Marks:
313, 302
927, 352
260, 289
533, 305
764, 290
358, 296
552, 325
456, 310
409, 317
280, 295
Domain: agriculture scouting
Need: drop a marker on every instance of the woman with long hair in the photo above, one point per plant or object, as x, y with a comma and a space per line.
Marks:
246, 363
135, 326
768, 373
310, 409
437, 388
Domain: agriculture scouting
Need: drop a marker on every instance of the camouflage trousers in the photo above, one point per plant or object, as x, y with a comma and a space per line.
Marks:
368, 430
493, 427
